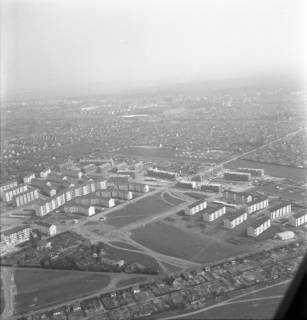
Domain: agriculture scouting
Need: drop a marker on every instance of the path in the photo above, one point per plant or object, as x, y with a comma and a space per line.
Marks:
9, 290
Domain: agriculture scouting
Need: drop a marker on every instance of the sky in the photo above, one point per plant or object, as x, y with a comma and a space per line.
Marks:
52, 44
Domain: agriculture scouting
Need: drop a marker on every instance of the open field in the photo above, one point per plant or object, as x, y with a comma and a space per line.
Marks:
37, 289
143, 208
123, 245
258, 309
131, 257
172, 241
130, 282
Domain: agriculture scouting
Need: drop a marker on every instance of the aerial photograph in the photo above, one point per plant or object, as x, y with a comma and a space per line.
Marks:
153, 159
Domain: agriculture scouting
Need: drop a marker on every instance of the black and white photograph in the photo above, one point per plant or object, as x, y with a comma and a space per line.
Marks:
153, 159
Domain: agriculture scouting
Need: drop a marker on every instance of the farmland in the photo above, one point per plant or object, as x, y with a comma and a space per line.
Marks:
40, 288
143, 208
172, 241
258, 309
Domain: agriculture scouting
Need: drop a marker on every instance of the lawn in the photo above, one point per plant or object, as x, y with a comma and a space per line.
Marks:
123, 245
41, 288
173, 241
145, 207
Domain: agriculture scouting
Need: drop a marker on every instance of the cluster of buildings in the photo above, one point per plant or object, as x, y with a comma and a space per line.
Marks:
188, 290
161, 174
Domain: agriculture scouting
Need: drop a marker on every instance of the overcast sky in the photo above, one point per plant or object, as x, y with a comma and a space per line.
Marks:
49, 44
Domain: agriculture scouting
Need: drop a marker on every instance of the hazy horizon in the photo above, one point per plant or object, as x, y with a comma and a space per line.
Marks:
116, 45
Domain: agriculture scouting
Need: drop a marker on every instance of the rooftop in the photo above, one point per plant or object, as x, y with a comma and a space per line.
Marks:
259, 222
234, 214
14, 230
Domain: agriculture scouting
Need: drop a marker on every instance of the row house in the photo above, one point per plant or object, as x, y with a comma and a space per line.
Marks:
25, 197
46, 228
259, 227
8, 194
213, 212
257, 204
235, 218
298, 218
195, 207
279, 210
16, 235
8, 185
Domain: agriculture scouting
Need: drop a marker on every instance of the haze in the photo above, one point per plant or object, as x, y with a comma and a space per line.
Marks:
48, 45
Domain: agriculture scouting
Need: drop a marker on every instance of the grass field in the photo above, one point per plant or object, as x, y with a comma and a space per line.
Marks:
141, 209
123, 245
261, 309
39, 288
170, 240
134, 257
2, 302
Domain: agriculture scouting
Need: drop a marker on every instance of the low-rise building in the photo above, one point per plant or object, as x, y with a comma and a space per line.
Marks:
16, 235
8, 185
237, 196
234, 218
285, 235
118, 178
213, 211
27, 179
72, 173
259, 227
45, 228
257, 204
211, 187
44, 173
93, 200
237, 176
80, 209
56, 177
161, 174
259, 173
298, 218
8, 194
279, 210
186, 184
195, 207
25, 197
132, 186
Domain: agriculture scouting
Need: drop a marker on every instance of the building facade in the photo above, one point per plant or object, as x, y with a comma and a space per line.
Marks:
235, 218
16, 235
279, 210
25, 197
195, 207
213, 212
298, 218
7, 195
259, 227
257, 204
45, 228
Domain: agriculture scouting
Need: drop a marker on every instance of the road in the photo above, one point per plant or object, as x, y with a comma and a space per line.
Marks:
225, 302
9, 290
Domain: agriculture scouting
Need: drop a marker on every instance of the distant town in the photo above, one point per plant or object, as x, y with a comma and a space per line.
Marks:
154, 205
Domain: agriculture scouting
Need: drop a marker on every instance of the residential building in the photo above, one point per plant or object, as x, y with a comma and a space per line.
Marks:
259, 227
186, 184
55, 177
195, 207
214, 188
93, 200
118, 178
8, 185
234, 218
285, 235
259, 173
45, 228
8, 194
80, 209
89, 168
44, 173
237, 176
213, 211
25, 197
27, 179
298, 218
237, 196
72, 173
16, 235
161, 174
257, 204
279, 210
132, 186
